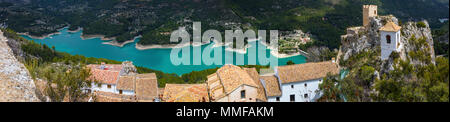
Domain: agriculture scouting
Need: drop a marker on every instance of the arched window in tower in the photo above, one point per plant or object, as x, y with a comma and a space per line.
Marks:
388, 39
375, 12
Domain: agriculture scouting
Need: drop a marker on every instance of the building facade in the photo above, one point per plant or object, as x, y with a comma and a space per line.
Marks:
234, 84
305, 91
104, 77
122, 80
298, 83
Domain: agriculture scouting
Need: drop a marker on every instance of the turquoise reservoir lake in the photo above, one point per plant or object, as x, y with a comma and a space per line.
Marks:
157, 59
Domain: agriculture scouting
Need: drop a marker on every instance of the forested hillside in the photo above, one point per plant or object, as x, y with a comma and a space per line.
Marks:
125, 19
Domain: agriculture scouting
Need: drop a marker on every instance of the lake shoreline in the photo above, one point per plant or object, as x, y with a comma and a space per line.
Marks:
154, 58
102, 37
111, 40
58, 31
228, 48
167, 46
74, 31
277, 54
39, 37
115, 43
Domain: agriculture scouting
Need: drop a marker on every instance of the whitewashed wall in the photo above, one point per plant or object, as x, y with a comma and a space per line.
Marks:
386, 49
127, 92
235, 96
299, 90
104, 88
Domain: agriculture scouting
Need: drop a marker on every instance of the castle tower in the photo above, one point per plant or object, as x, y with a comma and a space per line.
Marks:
390, 39
369, 11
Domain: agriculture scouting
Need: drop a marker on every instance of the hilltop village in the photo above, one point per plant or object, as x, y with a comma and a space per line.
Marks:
230, 83
290, 83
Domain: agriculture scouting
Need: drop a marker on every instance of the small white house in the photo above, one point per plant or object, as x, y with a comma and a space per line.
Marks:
122, 79
297, 83
104, 77
390, 39
235, 84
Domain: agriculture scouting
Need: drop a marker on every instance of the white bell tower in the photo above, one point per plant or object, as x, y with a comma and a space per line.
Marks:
390, 39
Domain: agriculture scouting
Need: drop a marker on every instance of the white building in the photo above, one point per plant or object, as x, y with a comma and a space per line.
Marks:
122, 79
297, 83
390, 39
104, 77
235, 84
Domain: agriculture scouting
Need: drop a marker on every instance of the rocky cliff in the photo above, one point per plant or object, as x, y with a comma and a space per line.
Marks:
360, 39
16, 85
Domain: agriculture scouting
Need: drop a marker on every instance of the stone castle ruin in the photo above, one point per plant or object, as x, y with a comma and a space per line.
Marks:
369, 11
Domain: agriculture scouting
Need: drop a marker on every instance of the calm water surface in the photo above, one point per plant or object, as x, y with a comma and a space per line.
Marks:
157, 59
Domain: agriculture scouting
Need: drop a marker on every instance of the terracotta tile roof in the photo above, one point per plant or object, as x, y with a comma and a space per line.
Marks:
112, 97
253, 73
211, 75
160, 91
232, 77
185, 93
104, 76
255, 76
212, 78
109, 75
266, 71
147, 75
272, 86
126, 83
307, 71
215, 87
146, 86
390, 27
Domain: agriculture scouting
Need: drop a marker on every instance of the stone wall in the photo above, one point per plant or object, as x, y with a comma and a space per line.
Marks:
368, 12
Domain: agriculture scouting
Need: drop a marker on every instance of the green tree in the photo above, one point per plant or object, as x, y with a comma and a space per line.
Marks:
421, 24
64, 83
330, 89
415, 83
366, 75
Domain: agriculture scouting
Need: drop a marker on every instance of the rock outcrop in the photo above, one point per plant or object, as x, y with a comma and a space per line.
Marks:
128, 68
411, 29
16, 85
360, 39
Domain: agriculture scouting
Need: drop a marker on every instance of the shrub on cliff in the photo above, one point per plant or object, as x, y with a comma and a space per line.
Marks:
421, 25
